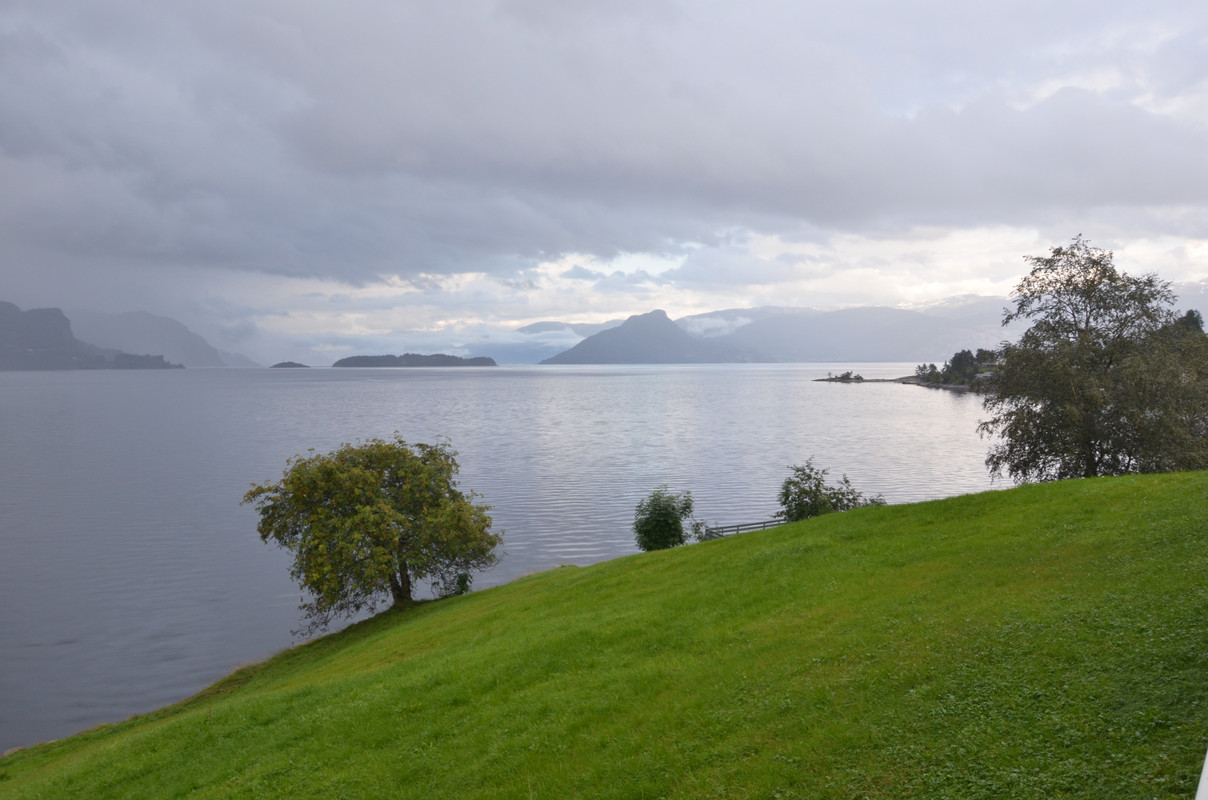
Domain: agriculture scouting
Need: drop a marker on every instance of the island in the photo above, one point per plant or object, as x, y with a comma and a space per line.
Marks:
289, 365
415, 360
843, 377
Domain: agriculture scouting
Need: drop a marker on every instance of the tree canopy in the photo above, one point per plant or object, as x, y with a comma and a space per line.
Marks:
367, 521
963, 369
1106, 381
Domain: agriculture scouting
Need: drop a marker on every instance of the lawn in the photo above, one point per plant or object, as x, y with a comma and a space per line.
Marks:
1046, 641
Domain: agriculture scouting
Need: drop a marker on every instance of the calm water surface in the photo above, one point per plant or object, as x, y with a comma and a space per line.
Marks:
131, 577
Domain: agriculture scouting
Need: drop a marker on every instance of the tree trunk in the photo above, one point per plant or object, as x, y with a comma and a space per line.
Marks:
400, 587
1090, 460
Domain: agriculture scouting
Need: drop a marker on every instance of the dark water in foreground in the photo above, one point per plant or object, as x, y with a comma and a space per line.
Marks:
131, 577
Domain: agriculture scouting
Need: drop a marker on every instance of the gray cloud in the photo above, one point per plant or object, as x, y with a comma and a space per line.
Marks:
422, 140
581, 273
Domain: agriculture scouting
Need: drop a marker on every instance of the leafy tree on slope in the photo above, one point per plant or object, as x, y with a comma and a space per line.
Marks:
366, 522
805, 494
1106, 381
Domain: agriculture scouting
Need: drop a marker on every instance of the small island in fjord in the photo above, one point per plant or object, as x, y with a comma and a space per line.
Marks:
415, 360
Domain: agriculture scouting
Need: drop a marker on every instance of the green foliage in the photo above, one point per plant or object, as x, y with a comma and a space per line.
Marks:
367, 521
805, 493
1192, 321
1107, 381
928, 373
658, 520
1010, 644
963, 369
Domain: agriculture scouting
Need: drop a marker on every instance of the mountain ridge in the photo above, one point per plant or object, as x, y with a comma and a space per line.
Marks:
652, 338
42, 339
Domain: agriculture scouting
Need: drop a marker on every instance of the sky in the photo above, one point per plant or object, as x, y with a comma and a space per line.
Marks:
309, 180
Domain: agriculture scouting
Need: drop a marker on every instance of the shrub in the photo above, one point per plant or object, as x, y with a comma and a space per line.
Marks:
805, 494
658, 520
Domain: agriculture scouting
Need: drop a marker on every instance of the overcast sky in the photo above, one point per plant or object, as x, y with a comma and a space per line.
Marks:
300, 179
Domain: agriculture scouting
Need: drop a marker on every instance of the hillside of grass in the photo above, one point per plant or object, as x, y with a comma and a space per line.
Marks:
1047, 641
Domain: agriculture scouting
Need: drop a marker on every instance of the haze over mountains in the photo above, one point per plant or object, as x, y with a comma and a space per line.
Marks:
140, 332
929, 333
779, 334
861, 334
42, 339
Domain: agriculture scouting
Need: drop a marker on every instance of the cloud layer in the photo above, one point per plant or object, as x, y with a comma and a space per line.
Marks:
308, 173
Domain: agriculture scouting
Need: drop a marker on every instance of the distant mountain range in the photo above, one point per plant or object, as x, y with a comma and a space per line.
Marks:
928, 333
42, 339
861, 334
775, 334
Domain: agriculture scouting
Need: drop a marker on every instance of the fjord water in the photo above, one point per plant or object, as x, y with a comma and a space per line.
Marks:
131, 577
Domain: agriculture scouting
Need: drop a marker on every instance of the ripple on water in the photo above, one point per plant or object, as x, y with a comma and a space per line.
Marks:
131, 576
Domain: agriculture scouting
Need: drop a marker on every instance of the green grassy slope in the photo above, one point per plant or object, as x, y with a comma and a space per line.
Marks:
1047, 641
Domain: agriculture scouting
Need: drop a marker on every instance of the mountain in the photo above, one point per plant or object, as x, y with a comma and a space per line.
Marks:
651, 339
972, 309
238, 360
42, 339
140, 332
541, 340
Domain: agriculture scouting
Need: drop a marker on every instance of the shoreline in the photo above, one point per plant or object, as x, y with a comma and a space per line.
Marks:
909, 380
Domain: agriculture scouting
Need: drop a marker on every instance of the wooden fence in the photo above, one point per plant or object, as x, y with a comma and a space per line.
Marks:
718, 531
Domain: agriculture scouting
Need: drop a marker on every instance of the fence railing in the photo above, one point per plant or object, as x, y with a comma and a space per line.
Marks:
718, 531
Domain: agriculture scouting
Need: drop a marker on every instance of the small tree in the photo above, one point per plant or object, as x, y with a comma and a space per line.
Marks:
365, 522
1191, 322
805, 494
658, 520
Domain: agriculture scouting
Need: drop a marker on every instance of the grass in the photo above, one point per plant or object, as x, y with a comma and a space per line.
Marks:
1047, 641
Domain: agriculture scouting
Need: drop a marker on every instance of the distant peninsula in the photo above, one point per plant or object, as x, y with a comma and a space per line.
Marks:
42, 339
415, 360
